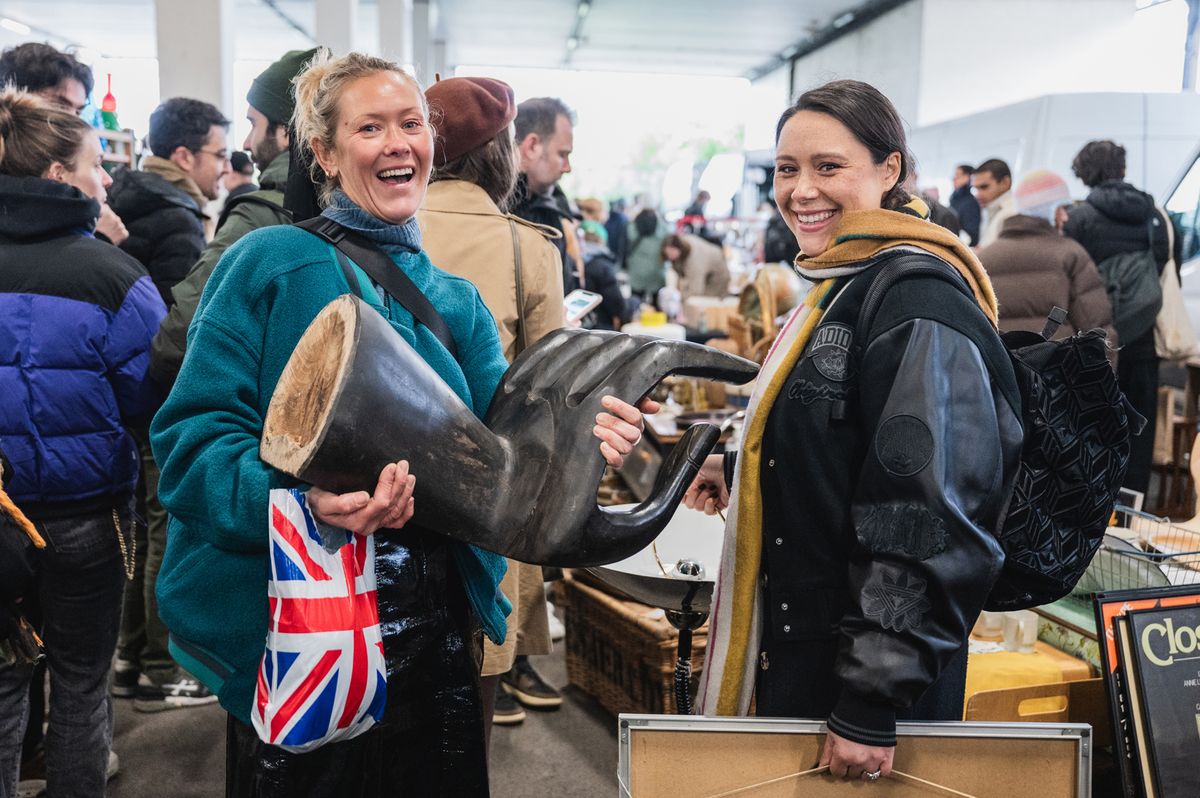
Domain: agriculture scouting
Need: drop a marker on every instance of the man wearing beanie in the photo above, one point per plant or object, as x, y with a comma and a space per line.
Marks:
271, 103
517, 269
1033, 268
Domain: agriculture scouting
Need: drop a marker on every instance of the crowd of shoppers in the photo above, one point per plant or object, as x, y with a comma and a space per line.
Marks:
140, 466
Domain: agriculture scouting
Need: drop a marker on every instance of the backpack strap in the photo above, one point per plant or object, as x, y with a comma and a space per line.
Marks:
380, 268
522, 335
253, 199
963, 316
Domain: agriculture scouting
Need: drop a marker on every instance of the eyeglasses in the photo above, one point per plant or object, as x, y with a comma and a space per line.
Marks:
222, 155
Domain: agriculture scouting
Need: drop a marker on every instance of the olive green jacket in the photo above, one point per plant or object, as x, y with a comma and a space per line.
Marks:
166, 352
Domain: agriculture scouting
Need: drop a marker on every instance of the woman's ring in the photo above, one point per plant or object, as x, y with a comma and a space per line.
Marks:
873, 775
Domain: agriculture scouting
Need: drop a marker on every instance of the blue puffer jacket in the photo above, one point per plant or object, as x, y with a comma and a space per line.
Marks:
76, 320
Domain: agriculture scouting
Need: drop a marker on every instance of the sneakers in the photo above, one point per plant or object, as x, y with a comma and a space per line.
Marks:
557, 630
527, 686
32, 782
507, 711
125, 678
179, 692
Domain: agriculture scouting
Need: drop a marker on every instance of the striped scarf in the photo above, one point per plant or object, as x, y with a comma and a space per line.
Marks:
735, 624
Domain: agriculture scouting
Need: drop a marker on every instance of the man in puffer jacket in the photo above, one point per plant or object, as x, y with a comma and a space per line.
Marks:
1116, 219
163, 205
1034, 269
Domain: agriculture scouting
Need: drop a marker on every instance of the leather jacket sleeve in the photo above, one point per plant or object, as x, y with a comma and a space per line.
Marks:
940, 451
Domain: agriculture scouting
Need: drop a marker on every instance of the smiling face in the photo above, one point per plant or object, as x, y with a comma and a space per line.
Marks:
822, 170
382, 147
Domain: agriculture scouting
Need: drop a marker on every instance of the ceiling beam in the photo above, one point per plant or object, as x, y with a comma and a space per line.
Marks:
840, 26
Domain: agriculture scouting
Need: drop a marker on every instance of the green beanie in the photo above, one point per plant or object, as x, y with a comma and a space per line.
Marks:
271, 92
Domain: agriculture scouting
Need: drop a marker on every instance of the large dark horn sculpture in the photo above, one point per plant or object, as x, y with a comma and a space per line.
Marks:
355, 396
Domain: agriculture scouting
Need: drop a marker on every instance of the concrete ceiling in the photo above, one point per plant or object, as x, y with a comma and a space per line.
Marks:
705, 37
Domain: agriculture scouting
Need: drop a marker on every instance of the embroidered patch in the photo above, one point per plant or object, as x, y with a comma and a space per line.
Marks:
904, 445
830, 351
908, 529
897, 603
809, 392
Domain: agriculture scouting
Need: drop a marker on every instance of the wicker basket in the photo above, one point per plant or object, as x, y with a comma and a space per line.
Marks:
620, 652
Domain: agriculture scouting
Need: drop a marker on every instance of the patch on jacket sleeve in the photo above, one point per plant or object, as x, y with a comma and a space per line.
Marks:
908, 529
904, 445
895, 601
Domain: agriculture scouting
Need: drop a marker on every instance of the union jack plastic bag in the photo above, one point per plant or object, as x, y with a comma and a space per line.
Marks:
323, 676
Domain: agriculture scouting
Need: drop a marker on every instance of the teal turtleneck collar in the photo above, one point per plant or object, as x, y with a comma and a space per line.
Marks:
347, 213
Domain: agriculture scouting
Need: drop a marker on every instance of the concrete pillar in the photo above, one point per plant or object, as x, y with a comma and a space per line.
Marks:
195, 50
423, 12
440, 65
396, 30
336, 22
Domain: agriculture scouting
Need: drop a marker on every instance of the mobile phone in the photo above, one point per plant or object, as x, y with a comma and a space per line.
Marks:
579, 303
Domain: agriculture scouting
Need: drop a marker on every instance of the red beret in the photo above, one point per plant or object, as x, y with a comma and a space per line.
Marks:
469, 113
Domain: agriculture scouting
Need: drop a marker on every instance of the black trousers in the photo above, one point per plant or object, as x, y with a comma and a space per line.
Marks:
430, 742
799, 682
1139, 380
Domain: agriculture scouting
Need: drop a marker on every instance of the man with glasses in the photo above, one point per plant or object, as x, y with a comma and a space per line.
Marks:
163, 204
163, 207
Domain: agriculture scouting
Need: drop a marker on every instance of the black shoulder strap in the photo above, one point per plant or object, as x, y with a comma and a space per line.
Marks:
974, 326
380, 268
253, 200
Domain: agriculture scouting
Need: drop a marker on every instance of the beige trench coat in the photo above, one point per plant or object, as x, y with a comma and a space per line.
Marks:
464, 233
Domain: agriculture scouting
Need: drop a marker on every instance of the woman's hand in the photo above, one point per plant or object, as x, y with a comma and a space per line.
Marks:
620, 429
708, 492
850, 760
390, 507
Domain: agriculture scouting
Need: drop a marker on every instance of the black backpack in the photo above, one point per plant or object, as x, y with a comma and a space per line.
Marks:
1132, 282
1077, 428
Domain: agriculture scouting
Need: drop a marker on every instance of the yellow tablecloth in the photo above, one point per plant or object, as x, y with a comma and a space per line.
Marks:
1000, 669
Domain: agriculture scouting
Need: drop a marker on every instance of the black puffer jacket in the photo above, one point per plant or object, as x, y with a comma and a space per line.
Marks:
1118, 218
166, 226
545, 209
886, 462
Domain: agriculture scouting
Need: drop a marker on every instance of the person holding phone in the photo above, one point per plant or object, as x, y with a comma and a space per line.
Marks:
467, 231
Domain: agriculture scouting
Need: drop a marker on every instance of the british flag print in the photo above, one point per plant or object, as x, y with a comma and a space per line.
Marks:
323, 677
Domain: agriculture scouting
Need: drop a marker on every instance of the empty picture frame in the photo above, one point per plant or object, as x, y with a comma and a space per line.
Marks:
700, 757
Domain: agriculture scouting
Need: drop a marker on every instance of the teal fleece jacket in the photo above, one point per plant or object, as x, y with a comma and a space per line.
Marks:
212, 589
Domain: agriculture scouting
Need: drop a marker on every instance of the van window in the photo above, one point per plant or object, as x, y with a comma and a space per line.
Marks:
1184, 208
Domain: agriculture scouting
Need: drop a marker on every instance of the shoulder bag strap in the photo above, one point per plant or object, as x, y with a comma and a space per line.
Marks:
522, 335
380, 268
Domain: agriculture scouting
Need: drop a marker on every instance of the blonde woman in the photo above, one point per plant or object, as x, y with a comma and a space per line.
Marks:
366, 124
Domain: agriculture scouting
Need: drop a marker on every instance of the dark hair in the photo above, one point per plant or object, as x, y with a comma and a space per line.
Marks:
1099, 161
872, 119
646, 222
34, 134
182, 122
679, 243
34, 66
966, 169
540, 115
997, 168
239, 161
492, 167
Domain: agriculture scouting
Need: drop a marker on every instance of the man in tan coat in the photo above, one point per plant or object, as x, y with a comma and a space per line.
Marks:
519, 274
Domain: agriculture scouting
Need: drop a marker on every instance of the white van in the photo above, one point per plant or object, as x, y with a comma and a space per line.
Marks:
1158, 132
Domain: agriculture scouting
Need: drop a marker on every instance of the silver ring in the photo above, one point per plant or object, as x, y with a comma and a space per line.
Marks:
873, 775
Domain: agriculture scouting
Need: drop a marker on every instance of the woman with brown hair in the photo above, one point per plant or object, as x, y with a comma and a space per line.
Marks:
700, 264
79, 315
875, 462
467, 232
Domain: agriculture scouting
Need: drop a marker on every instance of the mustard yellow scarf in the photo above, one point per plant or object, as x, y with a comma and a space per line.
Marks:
734, 626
